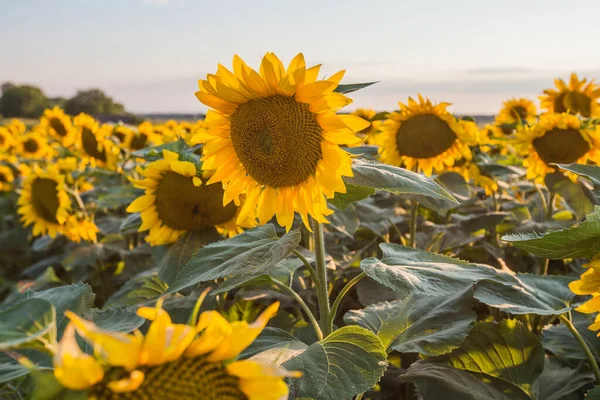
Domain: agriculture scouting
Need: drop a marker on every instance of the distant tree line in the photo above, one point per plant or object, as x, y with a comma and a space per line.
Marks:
26, 101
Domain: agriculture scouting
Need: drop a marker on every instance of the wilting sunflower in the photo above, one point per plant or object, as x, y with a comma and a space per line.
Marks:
424, 136
33, 146
58, 125
275, 135
578, 97
178, 199
517, 111
171, 362
559, 139
371, 133
96, 148
7, 178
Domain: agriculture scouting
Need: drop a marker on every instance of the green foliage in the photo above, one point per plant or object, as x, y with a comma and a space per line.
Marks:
22, 101
93, 102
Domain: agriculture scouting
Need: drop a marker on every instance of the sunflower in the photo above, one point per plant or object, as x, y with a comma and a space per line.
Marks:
559, 139
589, 284
33, 146
16, 127
172, 361
578, 97
123, 135
371, 133
178, 199
424, 136
58, 125
96, 148
7, 178
517, 111
7, 140
274, 135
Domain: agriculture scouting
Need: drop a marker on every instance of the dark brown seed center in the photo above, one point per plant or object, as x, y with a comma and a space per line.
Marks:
58, 127
90, 145
31, 146
561, 146
424, 136
44, 197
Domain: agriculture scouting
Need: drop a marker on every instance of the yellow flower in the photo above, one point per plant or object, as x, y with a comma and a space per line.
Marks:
16, 127
574, 98
7, 140
58, 125
156, 133
371, 133
171, 361
178, 199
517, 111
274, 135
556, 138
33, 146
7, 178
96, 148
45, 204
424, 136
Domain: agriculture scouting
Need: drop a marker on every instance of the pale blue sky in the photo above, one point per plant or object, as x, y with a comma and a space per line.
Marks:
149, 54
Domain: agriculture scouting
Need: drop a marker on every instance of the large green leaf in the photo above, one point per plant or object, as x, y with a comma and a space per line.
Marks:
575, 194
531, 294
249, 253
11, 368
395, 180
505, 350
558, 382
352, 87
582, 241
589, 171
141, 288
353, 193
440, 381
348, 362
274, 345
409, 270
593, 394
26, 322
558, 340
430, 325
115, 319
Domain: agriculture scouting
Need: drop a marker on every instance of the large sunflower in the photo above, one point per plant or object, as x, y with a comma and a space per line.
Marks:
275, 135
517, 111
559, 139
93, 142
171, 362
178, 199
424, 136
371, 133
58, 125
578, 97
45, 204
33, 146
7, 178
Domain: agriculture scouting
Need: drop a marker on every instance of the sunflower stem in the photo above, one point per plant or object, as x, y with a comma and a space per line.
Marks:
414, 214
584, 346
542, 198
340, 297
321, 270
304, 306
545, 267
311, 270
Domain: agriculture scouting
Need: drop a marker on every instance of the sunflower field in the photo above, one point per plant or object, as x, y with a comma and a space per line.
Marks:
283, 248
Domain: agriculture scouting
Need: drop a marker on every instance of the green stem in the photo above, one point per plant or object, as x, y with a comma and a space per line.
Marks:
340, 297
414, 214
309, 267
542, 197
550, 211
359, 397
321, 270
546, 265
584, 346
307, 311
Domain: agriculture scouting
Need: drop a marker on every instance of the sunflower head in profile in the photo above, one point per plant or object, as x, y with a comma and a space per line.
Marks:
123, 135
423, 136
517, 111
58, 125
7, 140
97, 150
578, 97
7, 177
556, 139
33, 146
274, 135
45, 204
178, 199
371, 133
171, 361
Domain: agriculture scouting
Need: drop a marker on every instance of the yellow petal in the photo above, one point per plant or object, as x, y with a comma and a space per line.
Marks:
141, 203
129, 384
214, 330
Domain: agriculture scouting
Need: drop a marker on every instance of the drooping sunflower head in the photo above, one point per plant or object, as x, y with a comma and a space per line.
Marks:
274, 135
556, 139
33, 146
424, 136
94, 144
517, 111
171, 361
579, 97
7, 178
178, 199
59, 126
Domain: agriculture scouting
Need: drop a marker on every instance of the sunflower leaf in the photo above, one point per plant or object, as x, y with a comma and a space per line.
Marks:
26, 322
348, 362
558, 382
249, 253
395, 180
353, 87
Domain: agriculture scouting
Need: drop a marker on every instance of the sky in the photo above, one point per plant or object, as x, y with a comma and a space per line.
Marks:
149, 54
